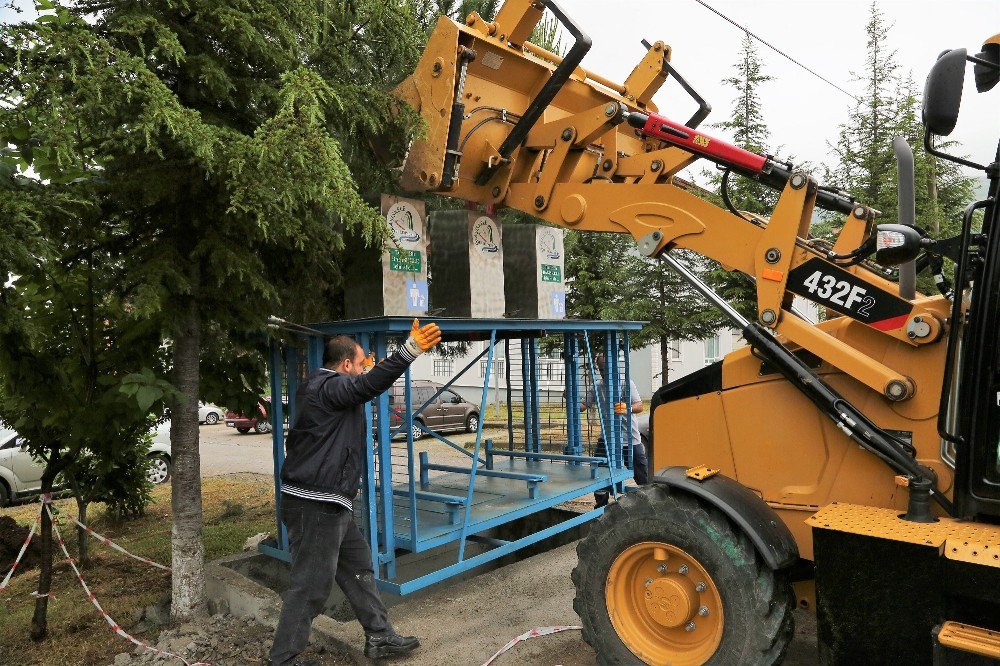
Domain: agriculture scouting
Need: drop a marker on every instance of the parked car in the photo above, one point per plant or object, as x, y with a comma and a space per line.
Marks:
209, 414
448, 412
259, 422
21, 474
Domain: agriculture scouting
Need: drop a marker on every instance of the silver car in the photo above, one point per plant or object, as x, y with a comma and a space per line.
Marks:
21, 474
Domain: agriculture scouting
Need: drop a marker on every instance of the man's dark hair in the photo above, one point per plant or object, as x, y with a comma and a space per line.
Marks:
339, 348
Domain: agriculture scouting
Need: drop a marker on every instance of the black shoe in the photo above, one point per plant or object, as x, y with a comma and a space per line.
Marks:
389, 645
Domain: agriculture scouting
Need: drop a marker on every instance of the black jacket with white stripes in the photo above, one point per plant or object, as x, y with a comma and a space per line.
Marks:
325, 447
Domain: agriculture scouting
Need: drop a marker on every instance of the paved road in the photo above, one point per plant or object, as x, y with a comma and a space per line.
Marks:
225, 451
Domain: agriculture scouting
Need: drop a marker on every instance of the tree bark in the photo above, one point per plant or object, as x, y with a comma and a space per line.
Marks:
665, 359
188, 552
83, 543
39, 621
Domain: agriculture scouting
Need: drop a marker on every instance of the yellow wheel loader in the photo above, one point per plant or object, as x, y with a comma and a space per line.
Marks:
849, 466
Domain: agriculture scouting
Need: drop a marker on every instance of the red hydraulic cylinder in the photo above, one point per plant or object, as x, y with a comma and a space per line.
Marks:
717, 150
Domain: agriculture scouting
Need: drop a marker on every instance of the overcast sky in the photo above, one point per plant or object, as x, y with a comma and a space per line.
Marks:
802, 112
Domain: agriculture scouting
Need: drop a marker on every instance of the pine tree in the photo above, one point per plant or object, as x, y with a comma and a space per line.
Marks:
866, 163
220, 144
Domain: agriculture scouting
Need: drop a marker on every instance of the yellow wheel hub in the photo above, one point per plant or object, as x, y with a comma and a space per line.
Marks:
664, 605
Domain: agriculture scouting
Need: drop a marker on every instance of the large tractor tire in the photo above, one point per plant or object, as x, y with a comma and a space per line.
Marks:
666, 579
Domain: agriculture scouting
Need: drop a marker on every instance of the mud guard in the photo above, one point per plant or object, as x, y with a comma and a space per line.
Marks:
769, 535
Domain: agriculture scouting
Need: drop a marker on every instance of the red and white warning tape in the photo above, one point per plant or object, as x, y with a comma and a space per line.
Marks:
108, 542
24, 549
534, 633
90, 595
48, 507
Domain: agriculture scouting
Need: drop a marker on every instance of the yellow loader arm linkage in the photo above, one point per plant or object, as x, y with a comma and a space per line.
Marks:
508, 123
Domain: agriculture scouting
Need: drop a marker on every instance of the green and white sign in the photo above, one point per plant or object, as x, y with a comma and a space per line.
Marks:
551, 273
404, 261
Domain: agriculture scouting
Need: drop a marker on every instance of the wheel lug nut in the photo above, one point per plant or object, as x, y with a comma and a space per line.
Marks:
703, 611
689, 626
649, 581
700, 587
683, 570
662, 568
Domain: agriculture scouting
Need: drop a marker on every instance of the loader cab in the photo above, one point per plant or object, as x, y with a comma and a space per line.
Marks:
970, 404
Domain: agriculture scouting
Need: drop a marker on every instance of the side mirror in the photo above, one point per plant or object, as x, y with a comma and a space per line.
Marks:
456, 400
943, 92
896, 244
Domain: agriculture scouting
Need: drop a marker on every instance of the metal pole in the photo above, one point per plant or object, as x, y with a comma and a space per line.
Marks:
479, 441
706, 291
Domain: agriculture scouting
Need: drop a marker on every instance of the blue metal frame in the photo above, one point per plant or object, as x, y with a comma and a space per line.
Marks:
531, 480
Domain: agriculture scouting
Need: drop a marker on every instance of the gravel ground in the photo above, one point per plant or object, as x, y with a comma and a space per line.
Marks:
220, 640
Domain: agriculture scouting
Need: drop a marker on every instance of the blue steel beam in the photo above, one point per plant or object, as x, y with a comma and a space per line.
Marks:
367, 487
277, 439
574, 440
408, 422
490, 555
387, 532
536, 417
504, 327
479, 441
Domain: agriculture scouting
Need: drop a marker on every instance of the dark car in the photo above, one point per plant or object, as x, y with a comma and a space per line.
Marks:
449, 412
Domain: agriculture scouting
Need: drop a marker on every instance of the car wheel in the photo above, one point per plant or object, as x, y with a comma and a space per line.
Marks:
212, 418
417, 431
4, 494
472, 422
243, 431
159, 469
262, 427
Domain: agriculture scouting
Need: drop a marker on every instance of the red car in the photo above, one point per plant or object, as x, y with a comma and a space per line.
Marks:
260, 422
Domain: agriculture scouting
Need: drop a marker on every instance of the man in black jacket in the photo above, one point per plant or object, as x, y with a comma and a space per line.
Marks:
325, 458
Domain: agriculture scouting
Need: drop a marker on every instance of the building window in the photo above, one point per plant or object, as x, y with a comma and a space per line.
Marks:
443, 367
551, 372
497, 372
675, 350
711, 350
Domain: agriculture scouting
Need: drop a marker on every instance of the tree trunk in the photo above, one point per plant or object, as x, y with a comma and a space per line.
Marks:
665, 359
39, 622
83, 543
188, 559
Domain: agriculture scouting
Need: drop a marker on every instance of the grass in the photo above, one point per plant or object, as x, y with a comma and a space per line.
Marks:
235, 507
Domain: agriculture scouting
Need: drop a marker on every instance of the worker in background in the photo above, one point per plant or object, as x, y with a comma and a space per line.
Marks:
633, 443
324, 461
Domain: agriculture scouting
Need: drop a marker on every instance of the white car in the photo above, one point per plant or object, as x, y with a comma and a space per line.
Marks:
21, 474
209, 414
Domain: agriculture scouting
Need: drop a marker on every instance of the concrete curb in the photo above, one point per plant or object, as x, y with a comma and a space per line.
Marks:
243, 597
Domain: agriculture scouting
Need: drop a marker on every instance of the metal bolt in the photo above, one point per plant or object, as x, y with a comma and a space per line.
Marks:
607, 165
917, 320
683, 570
700, 587
567, 134
768, 317
861, 212
496, 191
772, 255
690, 626
656, 165
539, 201
911, 334
703, 611
657, 235
649, 581
610, 109
895, 390
797, 181
662, 568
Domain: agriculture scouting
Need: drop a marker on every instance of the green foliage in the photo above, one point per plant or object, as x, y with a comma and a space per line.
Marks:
866, 165
608, 279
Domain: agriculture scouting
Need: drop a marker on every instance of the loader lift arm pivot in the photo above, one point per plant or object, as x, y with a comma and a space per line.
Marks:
588, 154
